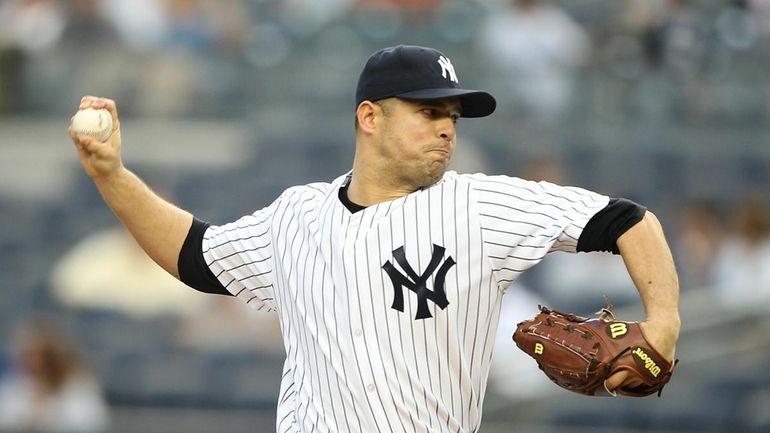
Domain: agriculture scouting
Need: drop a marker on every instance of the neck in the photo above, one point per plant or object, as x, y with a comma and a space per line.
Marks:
369, 186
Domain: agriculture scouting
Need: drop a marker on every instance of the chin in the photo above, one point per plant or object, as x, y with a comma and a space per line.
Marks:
434, 176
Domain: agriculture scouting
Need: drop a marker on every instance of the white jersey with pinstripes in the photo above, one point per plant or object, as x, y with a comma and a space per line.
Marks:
357, 359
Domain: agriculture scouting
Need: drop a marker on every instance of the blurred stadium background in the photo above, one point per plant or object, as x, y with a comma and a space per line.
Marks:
225, 103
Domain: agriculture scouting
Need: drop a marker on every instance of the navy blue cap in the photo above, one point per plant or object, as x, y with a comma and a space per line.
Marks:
418, 73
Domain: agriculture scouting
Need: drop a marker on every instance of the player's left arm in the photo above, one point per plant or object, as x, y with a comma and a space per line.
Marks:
651, 266
629, 229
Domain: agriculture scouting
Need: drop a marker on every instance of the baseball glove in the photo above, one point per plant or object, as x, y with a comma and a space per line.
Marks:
579, 354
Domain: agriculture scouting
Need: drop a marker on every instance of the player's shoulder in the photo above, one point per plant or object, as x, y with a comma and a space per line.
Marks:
314, 188
311, 191
482, 184
487, 181
517, 188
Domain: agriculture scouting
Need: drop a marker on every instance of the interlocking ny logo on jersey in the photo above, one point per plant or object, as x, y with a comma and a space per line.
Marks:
447, 68
418, 283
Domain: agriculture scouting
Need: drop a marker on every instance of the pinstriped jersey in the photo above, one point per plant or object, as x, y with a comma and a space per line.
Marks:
389, 314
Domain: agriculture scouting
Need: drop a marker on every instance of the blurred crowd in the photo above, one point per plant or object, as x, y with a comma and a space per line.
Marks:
48, 387
170, 57
187, 57
555, 66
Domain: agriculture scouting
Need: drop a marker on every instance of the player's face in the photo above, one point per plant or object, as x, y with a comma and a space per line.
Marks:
417, 139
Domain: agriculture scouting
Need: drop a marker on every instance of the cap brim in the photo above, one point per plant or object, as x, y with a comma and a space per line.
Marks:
473, 103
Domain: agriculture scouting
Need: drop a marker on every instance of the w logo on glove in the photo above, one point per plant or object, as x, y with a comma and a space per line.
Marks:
617, 329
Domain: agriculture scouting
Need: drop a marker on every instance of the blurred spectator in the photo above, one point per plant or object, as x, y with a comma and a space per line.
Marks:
761, 11
48, 389
646, 20
230, 22
141, 24
87, 26
197, 36
11, 75
89, 58
538, 49
422, 4
416, 10
742, 265
672, 33
309, 16
187, 29
27, 27
737, 25
109, 271
30, 25
169, 85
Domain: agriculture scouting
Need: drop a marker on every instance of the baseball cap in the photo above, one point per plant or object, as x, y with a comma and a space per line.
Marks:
418, 73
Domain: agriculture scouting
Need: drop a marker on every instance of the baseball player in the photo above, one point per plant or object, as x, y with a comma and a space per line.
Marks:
388, 280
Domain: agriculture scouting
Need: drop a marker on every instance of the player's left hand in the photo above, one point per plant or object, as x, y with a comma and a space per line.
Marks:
662, 336
600, 356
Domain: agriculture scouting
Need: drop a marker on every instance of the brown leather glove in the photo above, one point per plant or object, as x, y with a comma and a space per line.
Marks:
579, 354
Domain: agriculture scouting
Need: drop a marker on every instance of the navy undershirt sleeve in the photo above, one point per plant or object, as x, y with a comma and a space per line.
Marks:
603, 229
193, 269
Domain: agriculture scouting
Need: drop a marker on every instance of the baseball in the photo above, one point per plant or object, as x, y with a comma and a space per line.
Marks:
96, 123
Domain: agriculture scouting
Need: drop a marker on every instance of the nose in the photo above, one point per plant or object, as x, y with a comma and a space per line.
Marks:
447, 130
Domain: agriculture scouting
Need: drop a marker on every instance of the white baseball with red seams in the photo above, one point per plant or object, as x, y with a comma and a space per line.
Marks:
95, 123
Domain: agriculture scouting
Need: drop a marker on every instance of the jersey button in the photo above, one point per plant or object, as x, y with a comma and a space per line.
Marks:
370, 387
358, 332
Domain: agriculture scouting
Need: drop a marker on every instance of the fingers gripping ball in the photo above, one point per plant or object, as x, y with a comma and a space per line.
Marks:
579, 354
91, 122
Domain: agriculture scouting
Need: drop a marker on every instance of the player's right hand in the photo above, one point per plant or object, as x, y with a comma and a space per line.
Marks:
99, 159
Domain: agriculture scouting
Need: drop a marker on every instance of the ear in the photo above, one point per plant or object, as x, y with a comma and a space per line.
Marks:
366, 115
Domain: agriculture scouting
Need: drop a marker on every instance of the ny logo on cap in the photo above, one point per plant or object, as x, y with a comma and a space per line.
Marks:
447, 68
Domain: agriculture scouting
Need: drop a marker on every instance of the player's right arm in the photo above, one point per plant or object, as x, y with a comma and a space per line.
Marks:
159, 227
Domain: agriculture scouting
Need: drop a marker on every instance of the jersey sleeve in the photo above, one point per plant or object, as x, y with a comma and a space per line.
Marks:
239, 255
602, 231
521, 221
193, 269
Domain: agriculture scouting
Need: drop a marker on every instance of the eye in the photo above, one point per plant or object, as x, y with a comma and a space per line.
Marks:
430, 112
